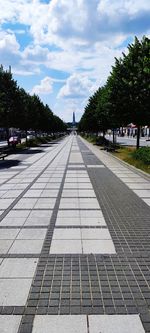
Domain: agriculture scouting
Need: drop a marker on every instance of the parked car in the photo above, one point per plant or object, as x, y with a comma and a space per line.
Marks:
30, 137
14, 140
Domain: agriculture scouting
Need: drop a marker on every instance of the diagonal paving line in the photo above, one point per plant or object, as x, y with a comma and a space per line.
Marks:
28, 187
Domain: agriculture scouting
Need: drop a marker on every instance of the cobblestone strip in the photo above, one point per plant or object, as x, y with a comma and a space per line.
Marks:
125, 277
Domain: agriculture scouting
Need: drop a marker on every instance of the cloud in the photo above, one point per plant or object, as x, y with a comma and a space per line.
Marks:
78, 23
45, 87
8, 41
77, 37
77, 86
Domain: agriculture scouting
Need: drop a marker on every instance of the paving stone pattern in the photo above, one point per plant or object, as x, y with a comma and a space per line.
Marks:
53, 213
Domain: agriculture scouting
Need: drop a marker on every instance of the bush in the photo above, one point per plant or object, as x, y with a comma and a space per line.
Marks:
102, 141
142, 154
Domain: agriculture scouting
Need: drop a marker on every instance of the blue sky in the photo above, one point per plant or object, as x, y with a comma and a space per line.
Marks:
63, 50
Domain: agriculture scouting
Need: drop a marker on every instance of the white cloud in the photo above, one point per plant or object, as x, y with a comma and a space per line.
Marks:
8, 41
78, 37
45, 87
10, 54
76, 22
77, 86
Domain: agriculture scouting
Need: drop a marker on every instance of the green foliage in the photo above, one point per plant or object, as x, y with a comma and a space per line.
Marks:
142, 154
125, 97
20, 110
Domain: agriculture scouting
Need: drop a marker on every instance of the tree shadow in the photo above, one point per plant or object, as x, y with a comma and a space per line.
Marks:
30, 152
6, 164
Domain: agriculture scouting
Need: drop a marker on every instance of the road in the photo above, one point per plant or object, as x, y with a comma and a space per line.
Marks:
4, 143
129, 141
74, 242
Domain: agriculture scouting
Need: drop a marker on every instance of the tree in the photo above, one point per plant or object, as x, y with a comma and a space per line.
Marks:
125, 97
8, 95
129, 85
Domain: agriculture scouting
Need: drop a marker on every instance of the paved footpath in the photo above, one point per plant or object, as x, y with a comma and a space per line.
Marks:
74, 242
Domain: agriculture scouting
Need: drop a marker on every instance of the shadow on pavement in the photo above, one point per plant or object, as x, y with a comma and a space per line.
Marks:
30, 152
6, 164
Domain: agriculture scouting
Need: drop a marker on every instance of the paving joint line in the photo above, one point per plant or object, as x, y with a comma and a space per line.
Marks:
28, 166
4, 214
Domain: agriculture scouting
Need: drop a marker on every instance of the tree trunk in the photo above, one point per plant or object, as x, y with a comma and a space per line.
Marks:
138, 138
113, 136
7, 136
26, 139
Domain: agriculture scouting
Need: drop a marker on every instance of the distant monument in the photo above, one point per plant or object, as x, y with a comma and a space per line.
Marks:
74, 120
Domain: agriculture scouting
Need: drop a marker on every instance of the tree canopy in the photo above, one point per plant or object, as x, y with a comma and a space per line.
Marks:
21, 110
126, 95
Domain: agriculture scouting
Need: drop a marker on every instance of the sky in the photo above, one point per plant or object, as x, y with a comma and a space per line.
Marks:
63, 50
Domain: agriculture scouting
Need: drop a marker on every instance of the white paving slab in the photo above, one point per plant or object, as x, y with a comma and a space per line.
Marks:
18, 213
53, 185
26, 246
45, 203
5, 245
9, 323
78, 186
14, 292
18, 268
37, 221
34, 193
80, 213
60, 324
142, 193
5, 203
141, 186
66, 221
79, 203
78, 193
77, 180
12, 194
76, 166
95, 166
67, 233
13, 221
74, 221
94, 221
75, 158
49, 193
32, 234
68, 214
115, 324
132, 180
8, 233
25, 203
95, 234
98, 246
147, 201
65, 246
44, 213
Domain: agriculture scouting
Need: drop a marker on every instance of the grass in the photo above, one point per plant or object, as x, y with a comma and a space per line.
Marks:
126, 154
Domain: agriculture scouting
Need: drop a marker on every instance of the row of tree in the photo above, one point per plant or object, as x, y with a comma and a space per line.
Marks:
21, 110
125, 97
